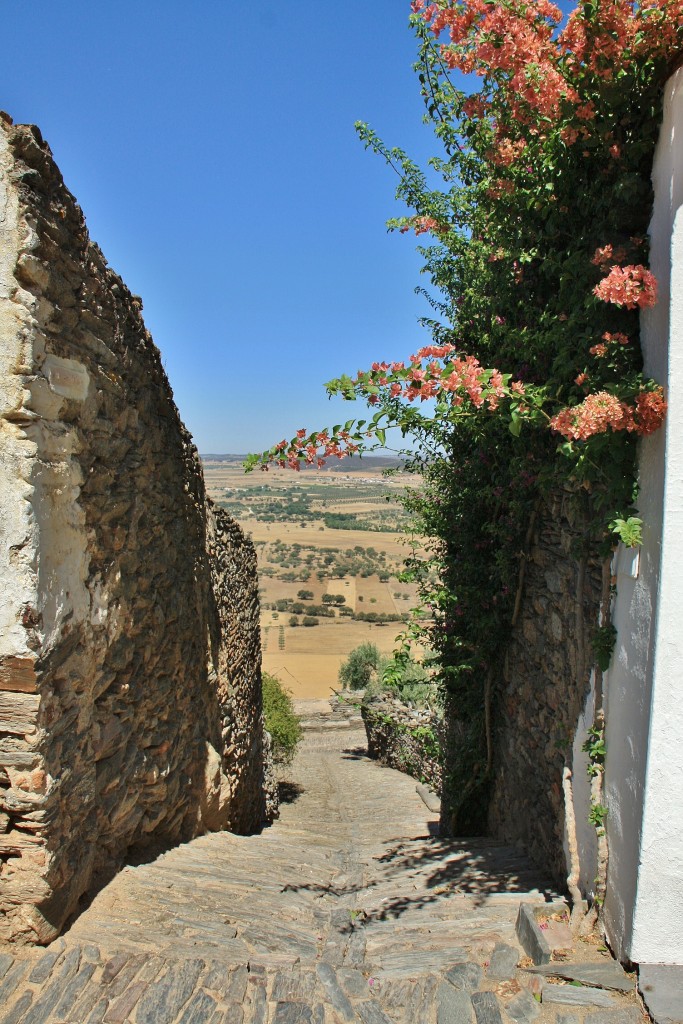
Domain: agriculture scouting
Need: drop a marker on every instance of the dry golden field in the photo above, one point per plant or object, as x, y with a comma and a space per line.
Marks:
300, 552
309, 663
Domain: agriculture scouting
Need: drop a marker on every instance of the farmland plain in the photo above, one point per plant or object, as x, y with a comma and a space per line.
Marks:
330, 545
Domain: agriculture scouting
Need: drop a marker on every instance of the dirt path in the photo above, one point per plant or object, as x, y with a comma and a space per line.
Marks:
349, 908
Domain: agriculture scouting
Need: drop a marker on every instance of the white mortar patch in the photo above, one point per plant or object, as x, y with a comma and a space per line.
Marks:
67, 377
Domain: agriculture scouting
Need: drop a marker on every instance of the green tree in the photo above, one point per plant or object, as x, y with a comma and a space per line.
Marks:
360, 667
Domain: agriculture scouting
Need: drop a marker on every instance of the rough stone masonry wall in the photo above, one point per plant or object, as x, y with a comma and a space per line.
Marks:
129, 646
546, 683
404, 738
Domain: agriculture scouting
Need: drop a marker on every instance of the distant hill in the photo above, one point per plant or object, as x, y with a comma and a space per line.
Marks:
353, 464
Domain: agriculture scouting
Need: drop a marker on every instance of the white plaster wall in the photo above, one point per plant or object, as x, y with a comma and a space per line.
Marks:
644, 778
40, 478
17, 527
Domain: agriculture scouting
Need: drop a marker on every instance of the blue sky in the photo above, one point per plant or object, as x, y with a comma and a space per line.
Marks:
211, 147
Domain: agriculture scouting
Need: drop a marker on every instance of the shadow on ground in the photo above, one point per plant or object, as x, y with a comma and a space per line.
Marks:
440, 869
355, 754
289, 792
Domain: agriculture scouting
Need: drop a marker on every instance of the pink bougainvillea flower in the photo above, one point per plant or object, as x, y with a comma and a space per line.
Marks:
507, 152
597, 414
602, 255
602, 411
621, 339
433, 352
421, 225
632, 286
650, 411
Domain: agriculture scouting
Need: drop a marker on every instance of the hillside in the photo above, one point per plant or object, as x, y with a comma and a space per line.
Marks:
331, 545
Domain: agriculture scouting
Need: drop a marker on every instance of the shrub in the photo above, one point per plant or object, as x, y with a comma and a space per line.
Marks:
281, 722
309, 620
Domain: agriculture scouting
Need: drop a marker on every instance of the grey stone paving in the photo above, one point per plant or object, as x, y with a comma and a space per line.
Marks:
349, 909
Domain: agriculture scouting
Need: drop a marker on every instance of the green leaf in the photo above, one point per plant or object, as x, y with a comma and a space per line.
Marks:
629, 531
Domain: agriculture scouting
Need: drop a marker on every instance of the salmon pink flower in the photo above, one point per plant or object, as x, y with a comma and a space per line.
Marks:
632, 286
597, 414
621, 339
650, 411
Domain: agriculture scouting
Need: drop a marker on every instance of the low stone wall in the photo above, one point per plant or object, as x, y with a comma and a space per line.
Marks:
546, 685
404, 738
246, 751
130, 706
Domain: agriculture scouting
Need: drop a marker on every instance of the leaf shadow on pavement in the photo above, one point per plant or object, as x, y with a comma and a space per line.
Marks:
441, 869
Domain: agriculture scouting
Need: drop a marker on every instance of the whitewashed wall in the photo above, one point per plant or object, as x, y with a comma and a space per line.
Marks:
644, 778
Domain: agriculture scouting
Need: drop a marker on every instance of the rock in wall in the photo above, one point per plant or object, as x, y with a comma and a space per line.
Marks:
547, 682
130, 706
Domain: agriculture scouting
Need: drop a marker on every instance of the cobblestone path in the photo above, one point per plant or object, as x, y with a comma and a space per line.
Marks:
348, 909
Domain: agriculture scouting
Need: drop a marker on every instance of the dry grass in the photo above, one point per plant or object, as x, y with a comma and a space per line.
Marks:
308, 673
346, 587
377, 596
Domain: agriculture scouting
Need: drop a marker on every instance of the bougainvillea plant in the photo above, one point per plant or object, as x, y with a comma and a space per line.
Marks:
538, 267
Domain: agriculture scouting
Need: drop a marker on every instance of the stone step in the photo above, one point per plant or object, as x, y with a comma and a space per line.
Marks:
346, 909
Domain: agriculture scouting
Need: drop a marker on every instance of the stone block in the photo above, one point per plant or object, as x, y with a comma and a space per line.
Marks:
453, 1006
523, 1008
467, 977
199, 1010
486, 1008
577, 996
370, 1013
22, 1004
503, 962
336, 995
18, 675
530, 935
604, 974
164, 998
661, 986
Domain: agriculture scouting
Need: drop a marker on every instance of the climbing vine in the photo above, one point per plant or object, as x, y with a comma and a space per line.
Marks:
536, 251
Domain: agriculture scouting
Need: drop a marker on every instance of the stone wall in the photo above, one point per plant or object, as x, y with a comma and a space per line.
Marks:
545, 695
130, 706
404, 738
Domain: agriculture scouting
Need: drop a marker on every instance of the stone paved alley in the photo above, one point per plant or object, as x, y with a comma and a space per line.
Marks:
349, 908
